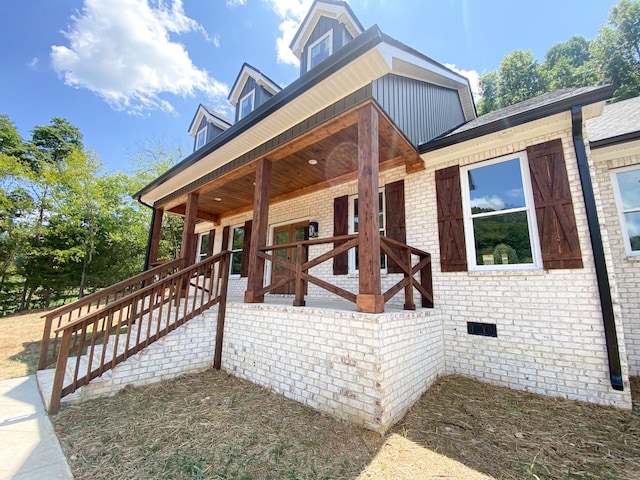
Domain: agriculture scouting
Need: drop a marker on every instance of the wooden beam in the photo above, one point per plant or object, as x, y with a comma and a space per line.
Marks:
370, 298
258, 231
155, 234
189, 238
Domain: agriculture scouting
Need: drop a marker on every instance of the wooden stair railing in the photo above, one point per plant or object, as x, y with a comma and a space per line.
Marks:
98, 341
398, 252
68, 313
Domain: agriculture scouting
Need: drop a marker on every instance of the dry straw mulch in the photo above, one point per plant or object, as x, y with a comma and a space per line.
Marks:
213, 425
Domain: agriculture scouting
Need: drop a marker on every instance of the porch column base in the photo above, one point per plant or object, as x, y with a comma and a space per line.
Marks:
368, 303
251, 297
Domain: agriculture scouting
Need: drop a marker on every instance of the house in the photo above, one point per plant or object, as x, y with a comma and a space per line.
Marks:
370, 177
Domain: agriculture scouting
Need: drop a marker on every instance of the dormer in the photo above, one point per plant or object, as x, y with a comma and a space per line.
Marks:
207, 125
328, 26
251, 89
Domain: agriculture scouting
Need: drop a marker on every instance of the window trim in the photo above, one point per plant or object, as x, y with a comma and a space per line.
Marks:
626, 239
233, 251
529, 208
251, 94
383, 231
203, 132
326, 35
199, 255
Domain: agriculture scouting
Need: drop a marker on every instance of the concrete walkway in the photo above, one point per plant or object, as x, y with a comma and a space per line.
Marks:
29, 448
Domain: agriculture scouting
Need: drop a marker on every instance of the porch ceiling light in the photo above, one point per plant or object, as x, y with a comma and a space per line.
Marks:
218, 199
313, 161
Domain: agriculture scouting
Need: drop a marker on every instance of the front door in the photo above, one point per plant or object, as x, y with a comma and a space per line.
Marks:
294, 232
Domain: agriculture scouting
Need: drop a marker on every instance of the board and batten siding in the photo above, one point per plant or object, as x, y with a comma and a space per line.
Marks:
260, 95
422, 111
212, 131
340, 38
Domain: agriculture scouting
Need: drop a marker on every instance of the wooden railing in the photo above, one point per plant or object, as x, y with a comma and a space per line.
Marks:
98, 341
403, 255
68, 313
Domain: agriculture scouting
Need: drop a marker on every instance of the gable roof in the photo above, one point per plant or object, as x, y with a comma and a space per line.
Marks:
519, 113
212, 117
620, 122
325, 8
246, 72
368, 57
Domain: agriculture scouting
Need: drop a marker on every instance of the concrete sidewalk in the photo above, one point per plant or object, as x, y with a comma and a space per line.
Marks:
29, 448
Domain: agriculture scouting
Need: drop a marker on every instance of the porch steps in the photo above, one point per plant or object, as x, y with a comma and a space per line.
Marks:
152, 364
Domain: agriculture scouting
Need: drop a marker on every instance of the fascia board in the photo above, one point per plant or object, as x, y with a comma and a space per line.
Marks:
358, 73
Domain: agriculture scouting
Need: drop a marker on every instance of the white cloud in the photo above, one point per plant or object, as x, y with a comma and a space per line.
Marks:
291, 12
121, 50
474, 79
33, 64
492, 202
236, 3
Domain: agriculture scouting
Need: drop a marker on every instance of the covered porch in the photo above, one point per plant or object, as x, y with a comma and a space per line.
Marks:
352, 141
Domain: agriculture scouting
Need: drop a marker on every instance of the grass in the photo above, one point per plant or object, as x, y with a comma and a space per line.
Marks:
215, 426
20, 338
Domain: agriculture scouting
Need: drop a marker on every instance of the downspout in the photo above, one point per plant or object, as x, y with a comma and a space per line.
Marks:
153, 217
604, 288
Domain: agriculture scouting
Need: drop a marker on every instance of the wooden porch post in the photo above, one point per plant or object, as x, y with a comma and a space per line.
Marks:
369, 298
258, 231
189, 238
154, 238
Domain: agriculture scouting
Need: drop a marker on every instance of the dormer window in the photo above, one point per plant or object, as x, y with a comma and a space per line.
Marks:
320, 49
246, 104
201, 137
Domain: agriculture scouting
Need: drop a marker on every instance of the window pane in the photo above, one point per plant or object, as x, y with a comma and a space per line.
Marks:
246, 107
238, 238
496, 187
502, 239
202, 135
319, 52
204, 245
633, 229
629, 183
236, 263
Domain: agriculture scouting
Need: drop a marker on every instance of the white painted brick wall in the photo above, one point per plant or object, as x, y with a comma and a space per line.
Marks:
625, 269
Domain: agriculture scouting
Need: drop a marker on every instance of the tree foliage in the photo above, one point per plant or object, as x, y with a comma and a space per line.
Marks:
613, 57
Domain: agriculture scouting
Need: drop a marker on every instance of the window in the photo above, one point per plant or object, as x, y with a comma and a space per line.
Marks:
319, 50
499, 216
353, 227
626, 184
203, 247
201, 137
237, 241
246, 104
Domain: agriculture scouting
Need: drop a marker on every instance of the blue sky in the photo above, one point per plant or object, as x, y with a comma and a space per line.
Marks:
132, 72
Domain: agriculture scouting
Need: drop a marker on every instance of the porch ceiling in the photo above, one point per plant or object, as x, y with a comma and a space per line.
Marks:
333, 144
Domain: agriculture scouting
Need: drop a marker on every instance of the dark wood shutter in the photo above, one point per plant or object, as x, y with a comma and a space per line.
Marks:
246, 243
453, 253
340, 227
554, 209
395, 228
225, 239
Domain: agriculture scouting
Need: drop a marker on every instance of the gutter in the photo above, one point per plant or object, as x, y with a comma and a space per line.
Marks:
360, 45
604, 288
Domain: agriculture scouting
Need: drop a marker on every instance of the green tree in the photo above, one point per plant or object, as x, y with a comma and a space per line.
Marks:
616, 49
489, 88
570, 64
520, 77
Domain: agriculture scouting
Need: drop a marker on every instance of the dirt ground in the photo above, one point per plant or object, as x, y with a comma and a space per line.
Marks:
213, 425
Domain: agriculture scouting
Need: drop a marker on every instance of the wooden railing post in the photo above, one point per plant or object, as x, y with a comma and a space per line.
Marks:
425, 281
299, 285
409, 304
44, 345
61, 368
